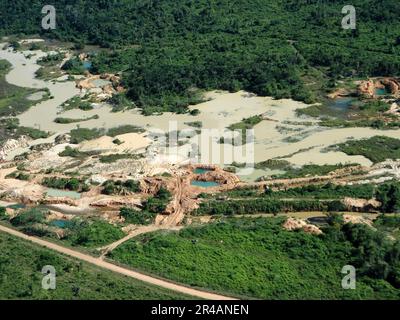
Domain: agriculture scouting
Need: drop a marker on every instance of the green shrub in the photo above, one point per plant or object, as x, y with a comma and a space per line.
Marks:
94, 234
377, 149
81, 134
113, 132
120, 102
389, 196
111, 187
19, 176
72, 184
28, 217
137, 217
70, 152
74, 66
258, 258
76, 280
3, 214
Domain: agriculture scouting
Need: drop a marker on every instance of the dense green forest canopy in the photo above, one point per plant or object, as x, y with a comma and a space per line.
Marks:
269, 47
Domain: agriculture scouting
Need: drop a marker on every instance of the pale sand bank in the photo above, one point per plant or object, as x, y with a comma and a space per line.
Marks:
284, 137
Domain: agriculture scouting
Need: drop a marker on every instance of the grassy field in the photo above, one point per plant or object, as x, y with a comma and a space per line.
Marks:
255, 258
377, 149
20, 269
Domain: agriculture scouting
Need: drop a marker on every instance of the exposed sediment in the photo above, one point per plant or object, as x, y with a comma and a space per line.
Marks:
368, 88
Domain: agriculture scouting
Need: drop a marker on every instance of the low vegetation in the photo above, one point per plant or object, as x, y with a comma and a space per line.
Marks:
389, 196
257, 258
321, 191
272, 164
266, 205
77, 103
72, 184
389, 225
311, 170
137, 217
10, 129
327, 191
374, 107
92, 234
118, 187
50, 69
79, 135
247, 123
195, 124
74, 66
111, 158
32, 133
243, 126
377, 149
14, 100
113, 132
62, 120
28, 217
120, 102
158, 203
76, 280
18, 175
151, 208
72, 152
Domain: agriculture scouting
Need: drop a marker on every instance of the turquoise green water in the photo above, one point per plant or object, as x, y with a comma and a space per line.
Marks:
87, 65
63, 224
62, 193
101, 83
201, 171
204, 184
381, 92
341, 104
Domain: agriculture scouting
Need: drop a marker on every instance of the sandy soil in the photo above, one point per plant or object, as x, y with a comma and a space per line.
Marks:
131, 142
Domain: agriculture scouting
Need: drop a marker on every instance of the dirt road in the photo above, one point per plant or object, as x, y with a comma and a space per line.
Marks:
109, 266
177, 213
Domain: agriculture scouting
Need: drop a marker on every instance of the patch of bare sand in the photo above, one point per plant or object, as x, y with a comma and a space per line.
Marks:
129, 142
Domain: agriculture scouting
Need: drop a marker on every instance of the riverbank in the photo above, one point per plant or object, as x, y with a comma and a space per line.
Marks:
283, 134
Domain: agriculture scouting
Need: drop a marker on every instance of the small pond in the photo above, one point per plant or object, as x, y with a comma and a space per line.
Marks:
318, 220
341, 104
63, 193
62, 224
201, 170
87, 65
204, 184
381, 91
99, 83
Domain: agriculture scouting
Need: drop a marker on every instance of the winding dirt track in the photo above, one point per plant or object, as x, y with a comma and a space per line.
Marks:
112, 267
